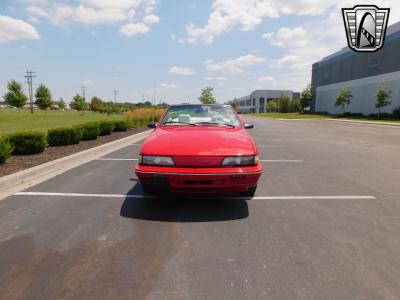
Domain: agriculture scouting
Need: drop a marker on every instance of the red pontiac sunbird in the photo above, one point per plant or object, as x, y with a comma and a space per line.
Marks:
199, 148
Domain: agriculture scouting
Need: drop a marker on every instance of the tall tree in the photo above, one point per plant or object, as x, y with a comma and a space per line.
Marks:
305, 98
207, 96
61, 104
382, 98
284, 104
79, 103
343, 99
233, 103
15, 95
95, 104
43, 97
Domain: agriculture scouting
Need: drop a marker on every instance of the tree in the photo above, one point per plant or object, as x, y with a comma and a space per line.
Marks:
273, 106
284, 104
43, 97
61, 104
95, 104
343, 99
382, 98
79, 103
305, 98
15, 95
207, 96
233, 103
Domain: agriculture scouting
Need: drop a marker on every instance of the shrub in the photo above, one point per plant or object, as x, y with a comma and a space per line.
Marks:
396, 113
64, 136
76, 135
121, 126
5, 150
30, 142
106, 127
90, 131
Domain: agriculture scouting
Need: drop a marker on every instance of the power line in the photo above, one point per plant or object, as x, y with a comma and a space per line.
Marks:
29, 79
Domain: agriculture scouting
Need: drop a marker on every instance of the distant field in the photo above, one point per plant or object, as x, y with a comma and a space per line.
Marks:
289, 116
11, 120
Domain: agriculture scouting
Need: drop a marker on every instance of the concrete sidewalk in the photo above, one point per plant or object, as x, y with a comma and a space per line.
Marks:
22, 180
364, 122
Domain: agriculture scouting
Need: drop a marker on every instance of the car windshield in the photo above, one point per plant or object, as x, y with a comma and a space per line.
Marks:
218, 115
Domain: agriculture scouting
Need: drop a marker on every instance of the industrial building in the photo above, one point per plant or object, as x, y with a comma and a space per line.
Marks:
363, 73
257, 101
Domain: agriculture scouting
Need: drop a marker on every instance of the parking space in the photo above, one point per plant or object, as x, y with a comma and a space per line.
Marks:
325, 223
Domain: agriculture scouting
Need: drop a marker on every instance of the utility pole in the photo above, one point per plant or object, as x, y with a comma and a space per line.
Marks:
83, 92
29, 79
154, 102
115, 96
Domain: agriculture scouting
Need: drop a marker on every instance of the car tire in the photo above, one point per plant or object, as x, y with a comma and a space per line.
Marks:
250, 192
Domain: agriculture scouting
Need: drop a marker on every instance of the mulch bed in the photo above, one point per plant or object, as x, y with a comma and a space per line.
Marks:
22, 162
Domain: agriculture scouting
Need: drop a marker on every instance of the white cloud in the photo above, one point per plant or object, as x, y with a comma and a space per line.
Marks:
218, 78
168, 86
132, 29
134, 16
234, 66
266, 79
293, 37
182, 71
245, 15
178, 39
13, 29
151, 19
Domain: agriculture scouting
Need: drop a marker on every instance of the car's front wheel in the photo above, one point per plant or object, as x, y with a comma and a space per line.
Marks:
250, 192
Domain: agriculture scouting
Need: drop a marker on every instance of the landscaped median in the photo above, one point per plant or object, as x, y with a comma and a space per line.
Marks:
25, 149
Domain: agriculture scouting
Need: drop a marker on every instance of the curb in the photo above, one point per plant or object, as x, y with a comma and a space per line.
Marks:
365, 122
13, 183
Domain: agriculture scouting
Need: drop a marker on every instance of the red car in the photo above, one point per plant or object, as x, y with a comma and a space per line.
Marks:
199, 148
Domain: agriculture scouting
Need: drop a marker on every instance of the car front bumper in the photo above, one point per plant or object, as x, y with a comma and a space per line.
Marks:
197, 180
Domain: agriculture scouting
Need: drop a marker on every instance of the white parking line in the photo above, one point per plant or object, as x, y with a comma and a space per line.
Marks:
123, 159
244, 198
263, 160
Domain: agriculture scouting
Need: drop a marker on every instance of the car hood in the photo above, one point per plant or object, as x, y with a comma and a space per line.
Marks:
199, 141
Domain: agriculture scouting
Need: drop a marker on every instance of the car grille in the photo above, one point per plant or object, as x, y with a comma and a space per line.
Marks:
198, 161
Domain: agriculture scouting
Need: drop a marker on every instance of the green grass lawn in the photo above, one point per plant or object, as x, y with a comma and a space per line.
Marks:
12, 120
289, 116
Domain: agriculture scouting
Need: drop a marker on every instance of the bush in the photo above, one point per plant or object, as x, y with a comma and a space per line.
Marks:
30, 142
106, 127
396, 113
5, 150
121, 126
75, 135
89, 131
64, 136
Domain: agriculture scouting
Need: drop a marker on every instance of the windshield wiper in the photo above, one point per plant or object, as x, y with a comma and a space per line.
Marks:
213, 123
172, 122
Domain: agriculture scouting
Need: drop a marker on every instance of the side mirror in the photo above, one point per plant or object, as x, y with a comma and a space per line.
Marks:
152, 125
248, 125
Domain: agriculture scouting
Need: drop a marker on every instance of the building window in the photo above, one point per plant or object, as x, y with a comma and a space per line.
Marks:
262, 105
248, 102
326, 76
373, 62
254, 101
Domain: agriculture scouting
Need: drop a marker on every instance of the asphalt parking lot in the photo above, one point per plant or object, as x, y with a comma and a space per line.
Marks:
325, 224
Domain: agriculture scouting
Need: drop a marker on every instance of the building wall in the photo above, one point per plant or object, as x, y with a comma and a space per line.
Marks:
362, 72
251, 103
364, 94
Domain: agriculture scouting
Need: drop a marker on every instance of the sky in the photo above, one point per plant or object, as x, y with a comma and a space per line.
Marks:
175, 46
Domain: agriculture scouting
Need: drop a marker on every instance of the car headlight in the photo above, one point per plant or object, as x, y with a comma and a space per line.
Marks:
155, 160
241, 161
